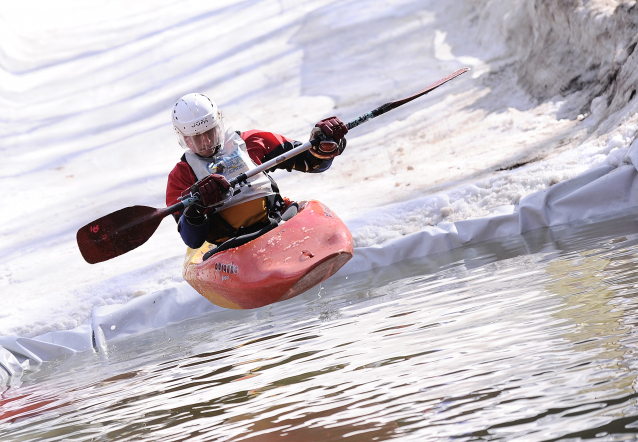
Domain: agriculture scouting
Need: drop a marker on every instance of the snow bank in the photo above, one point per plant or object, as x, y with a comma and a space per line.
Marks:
540, 134
573, 60
489, 196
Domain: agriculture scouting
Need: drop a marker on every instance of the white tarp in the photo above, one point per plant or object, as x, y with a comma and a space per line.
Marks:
599, 191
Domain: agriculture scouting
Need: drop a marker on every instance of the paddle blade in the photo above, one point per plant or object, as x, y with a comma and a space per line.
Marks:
389, 106
118, 233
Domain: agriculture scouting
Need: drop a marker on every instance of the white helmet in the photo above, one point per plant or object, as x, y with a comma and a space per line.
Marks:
198, 124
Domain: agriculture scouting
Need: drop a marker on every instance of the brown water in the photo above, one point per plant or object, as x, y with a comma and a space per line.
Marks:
528, 338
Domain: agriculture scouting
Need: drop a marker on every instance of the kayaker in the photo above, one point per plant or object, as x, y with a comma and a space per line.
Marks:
216, 155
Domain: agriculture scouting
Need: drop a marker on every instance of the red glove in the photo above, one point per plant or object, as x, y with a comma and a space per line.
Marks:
333, 128
333, 131
210, 189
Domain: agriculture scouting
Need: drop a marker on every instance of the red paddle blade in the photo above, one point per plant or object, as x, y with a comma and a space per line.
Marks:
441, 82
118, 232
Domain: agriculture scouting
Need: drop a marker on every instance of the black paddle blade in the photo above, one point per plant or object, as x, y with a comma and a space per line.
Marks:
118, 232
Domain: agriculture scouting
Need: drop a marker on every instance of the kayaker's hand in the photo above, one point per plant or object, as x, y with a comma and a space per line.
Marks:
195, 215
332, 131
211, 189
333, 128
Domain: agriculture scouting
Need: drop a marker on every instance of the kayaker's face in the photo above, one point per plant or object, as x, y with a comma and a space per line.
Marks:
205, 144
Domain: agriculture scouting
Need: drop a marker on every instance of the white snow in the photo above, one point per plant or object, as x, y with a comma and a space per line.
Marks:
86, 91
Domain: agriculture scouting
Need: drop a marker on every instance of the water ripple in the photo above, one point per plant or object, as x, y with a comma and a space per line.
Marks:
509, 346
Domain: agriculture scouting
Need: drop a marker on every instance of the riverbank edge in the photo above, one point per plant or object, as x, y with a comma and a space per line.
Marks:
599, 191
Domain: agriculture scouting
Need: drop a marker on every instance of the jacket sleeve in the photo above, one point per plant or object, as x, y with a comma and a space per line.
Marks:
180, 179
193, 232
264, 146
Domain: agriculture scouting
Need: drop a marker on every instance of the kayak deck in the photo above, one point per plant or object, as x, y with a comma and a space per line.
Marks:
283, 263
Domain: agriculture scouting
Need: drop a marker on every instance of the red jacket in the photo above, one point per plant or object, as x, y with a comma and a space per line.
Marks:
262, 146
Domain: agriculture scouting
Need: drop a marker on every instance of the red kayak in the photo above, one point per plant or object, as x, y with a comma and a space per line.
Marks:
283, 263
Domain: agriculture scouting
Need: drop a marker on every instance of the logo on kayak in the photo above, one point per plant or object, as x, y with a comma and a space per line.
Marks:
327, 211
226, 268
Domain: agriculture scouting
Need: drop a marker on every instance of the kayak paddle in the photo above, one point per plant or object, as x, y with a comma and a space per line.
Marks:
126, 229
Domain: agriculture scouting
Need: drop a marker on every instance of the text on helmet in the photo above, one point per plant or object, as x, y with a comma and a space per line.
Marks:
200, 122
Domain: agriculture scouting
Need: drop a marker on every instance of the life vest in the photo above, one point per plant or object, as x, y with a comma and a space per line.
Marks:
261, 201
231, 161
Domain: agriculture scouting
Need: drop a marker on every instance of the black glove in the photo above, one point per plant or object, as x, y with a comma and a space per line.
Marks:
195, 215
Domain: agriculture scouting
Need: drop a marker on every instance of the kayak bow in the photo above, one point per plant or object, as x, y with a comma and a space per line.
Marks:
283, 263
